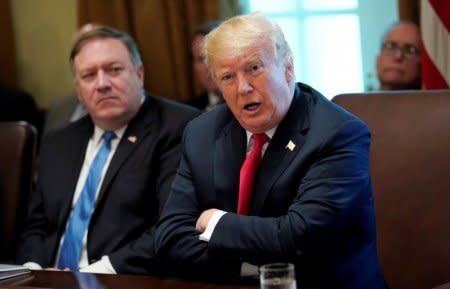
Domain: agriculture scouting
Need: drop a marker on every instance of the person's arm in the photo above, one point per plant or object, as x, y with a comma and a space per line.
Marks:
103, 266
323, 204
332, 191
137, 256
177, 240
31, 246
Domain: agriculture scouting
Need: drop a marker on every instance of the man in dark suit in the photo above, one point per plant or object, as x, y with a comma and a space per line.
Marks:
210, 97
310, 201
115, 186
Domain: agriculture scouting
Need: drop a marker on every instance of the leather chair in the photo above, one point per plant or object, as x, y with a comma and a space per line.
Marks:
410, 167
17, 153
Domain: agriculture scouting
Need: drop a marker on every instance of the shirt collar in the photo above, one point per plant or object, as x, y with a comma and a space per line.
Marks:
98, 133
269, 133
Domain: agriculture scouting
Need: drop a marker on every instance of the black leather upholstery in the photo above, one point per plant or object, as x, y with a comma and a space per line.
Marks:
410, 166
17, 153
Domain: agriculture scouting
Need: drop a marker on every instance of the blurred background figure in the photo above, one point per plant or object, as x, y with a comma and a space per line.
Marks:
399, 61
211, 96
68, 108
16, 104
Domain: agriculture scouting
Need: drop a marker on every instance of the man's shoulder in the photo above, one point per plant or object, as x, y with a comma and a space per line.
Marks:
322, 108
325, 118
83, 126
170, 108
216, 118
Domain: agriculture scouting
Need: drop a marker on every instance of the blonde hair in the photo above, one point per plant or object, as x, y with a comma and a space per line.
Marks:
241, 32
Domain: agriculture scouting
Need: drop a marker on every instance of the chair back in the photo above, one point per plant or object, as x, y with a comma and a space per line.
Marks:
17, 152
410, 167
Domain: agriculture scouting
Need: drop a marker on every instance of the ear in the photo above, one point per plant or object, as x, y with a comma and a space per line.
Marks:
289, 72
140, 73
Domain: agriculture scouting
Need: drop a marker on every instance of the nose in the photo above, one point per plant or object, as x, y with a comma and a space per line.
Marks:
244, 87
103, 81
398, 53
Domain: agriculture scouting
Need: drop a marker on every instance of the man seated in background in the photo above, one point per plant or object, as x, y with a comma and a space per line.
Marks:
211, 96
399, 60
103, 179
279, 174
68, 108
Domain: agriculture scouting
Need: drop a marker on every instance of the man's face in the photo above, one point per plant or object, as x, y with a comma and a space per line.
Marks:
201, 70
108, 82
255, 87
398, 63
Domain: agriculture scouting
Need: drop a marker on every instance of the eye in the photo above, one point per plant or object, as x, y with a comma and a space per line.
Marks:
115, 70
255, 68
226, 78
411, 49
389, 45
88, 75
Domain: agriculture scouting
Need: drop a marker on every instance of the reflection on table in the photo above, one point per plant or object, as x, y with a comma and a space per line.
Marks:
71, 280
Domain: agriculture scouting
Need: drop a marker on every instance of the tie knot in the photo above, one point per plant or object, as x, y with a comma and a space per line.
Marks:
260, 138
108, 136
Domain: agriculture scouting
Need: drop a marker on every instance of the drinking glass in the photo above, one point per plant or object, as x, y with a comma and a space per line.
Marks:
277, 276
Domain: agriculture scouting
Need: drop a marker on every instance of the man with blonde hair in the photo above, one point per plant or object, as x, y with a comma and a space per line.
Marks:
278, 174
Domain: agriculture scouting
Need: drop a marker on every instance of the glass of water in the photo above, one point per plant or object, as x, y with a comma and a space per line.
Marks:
277, 276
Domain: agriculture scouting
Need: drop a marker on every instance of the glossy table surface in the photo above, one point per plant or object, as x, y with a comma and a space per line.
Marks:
70, 280
443, 286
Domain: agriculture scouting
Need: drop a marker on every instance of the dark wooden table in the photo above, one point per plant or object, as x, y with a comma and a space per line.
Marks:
443, 286
70, 280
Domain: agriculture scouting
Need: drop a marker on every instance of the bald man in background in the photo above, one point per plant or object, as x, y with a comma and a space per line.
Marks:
399, 61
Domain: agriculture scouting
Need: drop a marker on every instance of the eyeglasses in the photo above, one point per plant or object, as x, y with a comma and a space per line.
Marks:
408, 50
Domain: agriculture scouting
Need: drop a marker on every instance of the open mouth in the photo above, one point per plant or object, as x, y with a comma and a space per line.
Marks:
252, 106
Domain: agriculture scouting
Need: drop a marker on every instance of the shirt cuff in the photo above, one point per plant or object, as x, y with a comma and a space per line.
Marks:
249, 270
101, 266
33, 266
206, 235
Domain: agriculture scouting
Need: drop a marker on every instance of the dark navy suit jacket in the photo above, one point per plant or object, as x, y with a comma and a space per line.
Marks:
312, 203
131, 197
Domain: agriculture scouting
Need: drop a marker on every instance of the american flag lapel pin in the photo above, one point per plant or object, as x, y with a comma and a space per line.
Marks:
132, 138
290, 145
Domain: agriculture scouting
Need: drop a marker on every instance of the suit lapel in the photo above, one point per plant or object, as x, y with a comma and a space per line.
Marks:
228, 158
76, 150
283, 148
135, 133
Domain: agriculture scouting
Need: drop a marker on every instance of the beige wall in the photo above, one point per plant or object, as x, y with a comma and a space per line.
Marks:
43, 30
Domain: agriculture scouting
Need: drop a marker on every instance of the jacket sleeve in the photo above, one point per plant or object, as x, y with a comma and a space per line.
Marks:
176, 239
334, 188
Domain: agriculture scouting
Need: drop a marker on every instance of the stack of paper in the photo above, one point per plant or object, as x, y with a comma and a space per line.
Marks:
9, 271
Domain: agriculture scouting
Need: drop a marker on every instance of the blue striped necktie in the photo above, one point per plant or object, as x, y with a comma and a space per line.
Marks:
81, 214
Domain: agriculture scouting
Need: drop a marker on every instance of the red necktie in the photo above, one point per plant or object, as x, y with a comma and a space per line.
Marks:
248, 171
